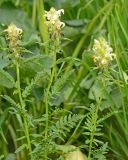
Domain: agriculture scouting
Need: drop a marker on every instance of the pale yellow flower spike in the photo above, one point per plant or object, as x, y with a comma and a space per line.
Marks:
103, 53
13, 31
14, 35
53, 21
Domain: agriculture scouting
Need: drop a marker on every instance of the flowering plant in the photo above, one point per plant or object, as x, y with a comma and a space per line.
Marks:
103, 53
53, 21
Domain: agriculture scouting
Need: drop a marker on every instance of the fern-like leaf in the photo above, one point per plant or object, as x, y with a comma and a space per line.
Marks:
28, 89
63, 126
10, 100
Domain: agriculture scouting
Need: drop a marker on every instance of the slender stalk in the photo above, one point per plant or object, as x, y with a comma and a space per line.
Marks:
22, 107
42, 26
34, 13
47, 92
93, 131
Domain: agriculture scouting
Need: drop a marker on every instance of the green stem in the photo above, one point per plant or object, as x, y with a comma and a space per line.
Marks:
22, 107
93, 131
42, 25
47, 92
34, 13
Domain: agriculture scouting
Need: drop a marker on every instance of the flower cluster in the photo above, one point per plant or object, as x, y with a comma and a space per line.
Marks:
103, 53
53, 22
14, 35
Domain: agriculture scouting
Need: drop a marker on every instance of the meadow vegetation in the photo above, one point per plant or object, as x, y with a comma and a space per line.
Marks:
63, 80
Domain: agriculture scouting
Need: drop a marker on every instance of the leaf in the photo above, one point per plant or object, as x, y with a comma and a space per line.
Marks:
76, 22
21, 148
3, 117
87, 82
34, 64
108, 115
3, 62
11, 157
21, 138
71, 32
72, 60
56, 96
9, 99
64, 125
28, 89
97, 91
33, 58
87, 57
2, 135
6, 80
118, 96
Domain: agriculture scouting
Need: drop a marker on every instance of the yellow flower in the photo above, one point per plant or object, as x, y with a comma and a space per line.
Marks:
14, 35
103, 53
14, 32
53, 21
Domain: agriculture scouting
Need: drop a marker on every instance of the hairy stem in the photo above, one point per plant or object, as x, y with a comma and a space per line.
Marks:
47, 91
22, 107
